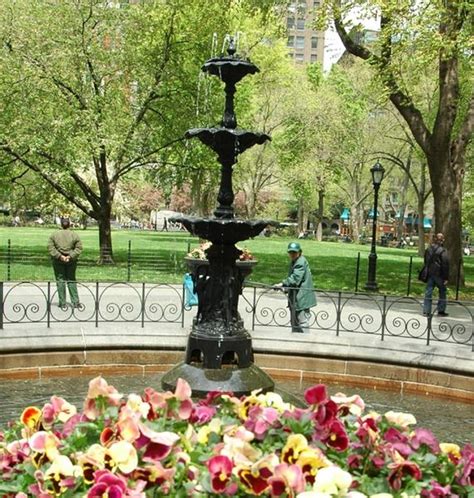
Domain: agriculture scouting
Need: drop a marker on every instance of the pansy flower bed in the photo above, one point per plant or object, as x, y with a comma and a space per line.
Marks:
165, 444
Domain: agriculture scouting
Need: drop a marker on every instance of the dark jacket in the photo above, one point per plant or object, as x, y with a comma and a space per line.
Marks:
300, 285
437, 261
64, 243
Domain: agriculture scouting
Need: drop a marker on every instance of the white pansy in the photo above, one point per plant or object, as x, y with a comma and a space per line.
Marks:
332, 480
400, 418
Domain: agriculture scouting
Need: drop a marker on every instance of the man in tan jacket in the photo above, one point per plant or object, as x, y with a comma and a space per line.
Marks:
64, 247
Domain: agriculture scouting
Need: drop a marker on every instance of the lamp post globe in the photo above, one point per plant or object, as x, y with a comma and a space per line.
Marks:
377, 171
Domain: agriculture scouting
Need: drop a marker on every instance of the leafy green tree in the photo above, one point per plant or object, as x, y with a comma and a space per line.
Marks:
419, 40
91, 92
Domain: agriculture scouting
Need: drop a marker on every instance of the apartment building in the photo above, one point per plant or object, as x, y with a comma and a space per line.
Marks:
304, 43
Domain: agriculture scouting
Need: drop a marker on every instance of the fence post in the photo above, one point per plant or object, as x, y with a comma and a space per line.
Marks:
9, 259
410, 266
357, 272
1, 305
338, 313
129, 260
384, 314
428, 331
254, 307
96, 304
143, 304
458, 279
48, 305
183, 297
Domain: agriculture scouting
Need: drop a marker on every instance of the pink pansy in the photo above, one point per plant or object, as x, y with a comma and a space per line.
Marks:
336, 436
287, 480
107, 485
158, 444
128, 422
398, 441
400, 470
437, 491
100, 390
183, 395
325, 414
220, 470
349, 404
368, 432
316, 395
202, 414
424, 437
260, 420
70, 425
467, 463
11, 455
58, 409
45, 442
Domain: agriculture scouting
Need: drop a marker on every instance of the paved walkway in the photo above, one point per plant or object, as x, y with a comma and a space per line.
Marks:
344, 325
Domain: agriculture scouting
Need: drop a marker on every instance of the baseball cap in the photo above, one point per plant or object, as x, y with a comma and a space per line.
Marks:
294, 247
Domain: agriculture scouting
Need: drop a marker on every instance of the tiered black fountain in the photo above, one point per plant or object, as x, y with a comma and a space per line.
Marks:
219, 355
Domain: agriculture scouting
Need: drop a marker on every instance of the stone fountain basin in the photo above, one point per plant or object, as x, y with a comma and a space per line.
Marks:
222, 231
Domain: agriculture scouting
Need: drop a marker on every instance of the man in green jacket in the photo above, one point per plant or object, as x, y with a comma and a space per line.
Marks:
64, 247
300, 289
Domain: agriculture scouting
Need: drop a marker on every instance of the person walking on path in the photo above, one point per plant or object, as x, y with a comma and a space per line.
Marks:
437, 263
64, 247
299, 287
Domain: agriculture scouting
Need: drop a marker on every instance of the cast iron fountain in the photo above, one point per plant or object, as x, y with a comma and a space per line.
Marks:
219, 355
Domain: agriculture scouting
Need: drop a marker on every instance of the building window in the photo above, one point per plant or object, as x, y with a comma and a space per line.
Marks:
316, 3
314, 58
290, 22
314, 42
291, 41
299, 57
300, 42
300, 24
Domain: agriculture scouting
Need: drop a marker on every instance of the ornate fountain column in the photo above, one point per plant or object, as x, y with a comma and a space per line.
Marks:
219, 353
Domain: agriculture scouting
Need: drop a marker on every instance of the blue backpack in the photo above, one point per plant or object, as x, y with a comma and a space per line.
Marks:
190, 297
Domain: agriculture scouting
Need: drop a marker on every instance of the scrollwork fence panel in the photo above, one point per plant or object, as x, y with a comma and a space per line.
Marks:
377, 315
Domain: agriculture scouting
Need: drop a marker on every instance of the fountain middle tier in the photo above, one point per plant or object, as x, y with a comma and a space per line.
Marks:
227, 142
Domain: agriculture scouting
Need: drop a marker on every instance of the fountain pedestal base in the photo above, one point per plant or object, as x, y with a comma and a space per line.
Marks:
239, 381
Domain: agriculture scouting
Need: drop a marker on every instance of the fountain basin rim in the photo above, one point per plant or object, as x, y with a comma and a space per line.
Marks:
237, 132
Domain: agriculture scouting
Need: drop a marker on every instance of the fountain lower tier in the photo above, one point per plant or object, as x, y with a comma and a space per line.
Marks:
224, 231
219, 355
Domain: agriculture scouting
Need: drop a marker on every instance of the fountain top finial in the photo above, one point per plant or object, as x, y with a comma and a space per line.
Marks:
231, 49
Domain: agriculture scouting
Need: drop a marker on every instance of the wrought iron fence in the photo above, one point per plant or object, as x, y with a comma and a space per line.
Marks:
375, 315
30, 302
378, 315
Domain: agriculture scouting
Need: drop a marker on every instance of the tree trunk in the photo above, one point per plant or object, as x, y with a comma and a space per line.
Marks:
319, 216
105, 238
301, 216
355, 226
447, 193
421, 227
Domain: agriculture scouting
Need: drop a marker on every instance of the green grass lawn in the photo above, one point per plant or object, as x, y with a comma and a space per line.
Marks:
158, 257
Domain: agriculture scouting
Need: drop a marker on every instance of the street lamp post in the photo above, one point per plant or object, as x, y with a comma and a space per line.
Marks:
377, 171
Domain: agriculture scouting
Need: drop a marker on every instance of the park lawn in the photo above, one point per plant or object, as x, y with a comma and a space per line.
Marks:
158, 257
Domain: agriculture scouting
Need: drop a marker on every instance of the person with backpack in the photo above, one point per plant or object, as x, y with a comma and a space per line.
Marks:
437, 266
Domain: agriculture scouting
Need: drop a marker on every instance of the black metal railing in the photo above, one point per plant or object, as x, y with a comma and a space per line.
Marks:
379, 316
